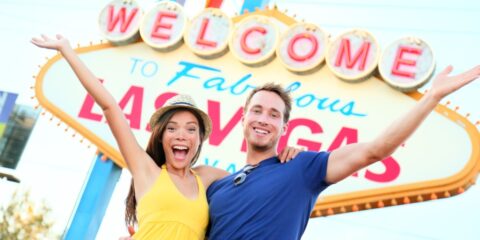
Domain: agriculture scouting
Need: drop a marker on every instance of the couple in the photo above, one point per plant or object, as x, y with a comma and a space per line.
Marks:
266, 199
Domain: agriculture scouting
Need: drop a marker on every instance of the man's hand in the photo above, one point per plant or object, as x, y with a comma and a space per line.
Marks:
131, 231
288, 153
443, 84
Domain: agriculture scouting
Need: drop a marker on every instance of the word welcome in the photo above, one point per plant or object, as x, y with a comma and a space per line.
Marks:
406, 64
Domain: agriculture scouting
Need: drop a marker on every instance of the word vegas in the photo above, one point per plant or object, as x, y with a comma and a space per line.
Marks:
406, 64
345, 135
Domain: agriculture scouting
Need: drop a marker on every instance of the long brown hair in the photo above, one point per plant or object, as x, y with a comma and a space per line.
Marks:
156, 152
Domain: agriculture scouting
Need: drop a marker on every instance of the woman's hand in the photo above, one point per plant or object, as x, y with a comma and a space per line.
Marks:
56, 44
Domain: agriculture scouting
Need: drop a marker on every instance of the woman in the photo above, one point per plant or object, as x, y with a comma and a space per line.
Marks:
170, 194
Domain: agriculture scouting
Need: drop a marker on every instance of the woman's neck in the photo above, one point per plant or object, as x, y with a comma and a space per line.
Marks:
180, 172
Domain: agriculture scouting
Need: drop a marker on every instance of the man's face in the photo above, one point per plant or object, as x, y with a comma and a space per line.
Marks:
263, 120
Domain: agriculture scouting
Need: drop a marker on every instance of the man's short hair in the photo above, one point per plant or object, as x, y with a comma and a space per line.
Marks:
277, 89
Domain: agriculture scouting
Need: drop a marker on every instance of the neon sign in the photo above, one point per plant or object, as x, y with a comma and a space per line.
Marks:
406, 64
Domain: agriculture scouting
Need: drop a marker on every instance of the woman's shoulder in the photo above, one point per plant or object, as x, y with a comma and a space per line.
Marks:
209, 174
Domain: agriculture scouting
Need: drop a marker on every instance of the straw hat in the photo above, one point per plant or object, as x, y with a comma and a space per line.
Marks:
182, 101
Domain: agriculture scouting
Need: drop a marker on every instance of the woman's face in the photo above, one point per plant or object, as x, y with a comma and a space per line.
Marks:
181, 139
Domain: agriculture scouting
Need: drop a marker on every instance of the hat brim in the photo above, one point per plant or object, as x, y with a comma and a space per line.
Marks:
207, 123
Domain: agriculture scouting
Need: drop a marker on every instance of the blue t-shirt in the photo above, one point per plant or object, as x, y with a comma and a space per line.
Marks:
274, 202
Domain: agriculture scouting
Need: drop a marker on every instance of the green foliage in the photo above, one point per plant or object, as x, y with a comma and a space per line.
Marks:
21, 218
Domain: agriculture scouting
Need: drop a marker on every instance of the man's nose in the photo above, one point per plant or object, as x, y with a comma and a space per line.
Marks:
262, 119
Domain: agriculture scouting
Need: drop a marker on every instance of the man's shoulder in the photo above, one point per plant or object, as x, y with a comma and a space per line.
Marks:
311, 155
219, 184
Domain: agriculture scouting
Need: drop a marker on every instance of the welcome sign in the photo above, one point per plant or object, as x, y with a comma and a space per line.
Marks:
223, 59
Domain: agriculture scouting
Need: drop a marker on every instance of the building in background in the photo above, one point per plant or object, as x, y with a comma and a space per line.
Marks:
15, 134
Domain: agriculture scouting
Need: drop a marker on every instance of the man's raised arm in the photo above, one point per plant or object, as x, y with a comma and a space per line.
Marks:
348, 159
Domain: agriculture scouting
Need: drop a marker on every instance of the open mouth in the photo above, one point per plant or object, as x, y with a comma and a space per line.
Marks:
261, 131
180, 152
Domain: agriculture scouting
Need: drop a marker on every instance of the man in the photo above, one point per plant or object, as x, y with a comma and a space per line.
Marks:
268, 200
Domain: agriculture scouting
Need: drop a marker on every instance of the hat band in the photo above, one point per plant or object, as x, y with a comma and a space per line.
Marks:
183, 103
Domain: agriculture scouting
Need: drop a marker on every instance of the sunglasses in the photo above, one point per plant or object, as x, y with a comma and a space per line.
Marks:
241, 177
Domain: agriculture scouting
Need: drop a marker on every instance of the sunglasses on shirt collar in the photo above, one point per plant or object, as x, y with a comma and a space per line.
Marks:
241, 177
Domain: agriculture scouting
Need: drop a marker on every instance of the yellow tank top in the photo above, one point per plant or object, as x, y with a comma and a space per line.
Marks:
165, 213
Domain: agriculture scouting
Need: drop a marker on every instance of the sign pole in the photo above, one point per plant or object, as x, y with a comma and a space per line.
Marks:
89, 212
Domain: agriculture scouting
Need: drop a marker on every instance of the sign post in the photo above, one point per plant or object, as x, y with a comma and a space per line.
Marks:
94, 200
